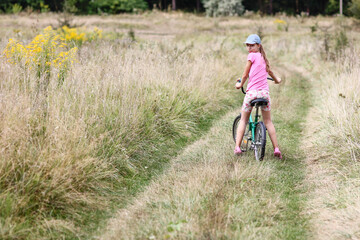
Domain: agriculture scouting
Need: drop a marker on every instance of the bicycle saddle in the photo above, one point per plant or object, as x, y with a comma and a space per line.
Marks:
259, 102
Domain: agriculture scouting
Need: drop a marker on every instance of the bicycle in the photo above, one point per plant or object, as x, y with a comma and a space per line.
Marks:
255, 132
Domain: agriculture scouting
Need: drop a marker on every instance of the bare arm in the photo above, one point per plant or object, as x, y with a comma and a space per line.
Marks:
276, 80
245, 75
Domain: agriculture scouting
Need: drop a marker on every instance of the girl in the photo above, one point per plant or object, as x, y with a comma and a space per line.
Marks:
257, 68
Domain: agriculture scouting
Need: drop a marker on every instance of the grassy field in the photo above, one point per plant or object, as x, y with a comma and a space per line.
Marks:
142, 121
210, 194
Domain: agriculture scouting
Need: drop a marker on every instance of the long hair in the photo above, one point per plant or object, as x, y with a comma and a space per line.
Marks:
263, 54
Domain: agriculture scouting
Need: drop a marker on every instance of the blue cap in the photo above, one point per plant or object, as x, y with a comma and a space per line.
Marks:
252, 39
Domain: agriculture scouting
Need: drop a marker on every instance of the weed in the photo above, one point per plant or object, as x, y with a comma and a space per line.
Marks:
282, 25
131, 35
16, 8
314, 27
259, 29
341, 42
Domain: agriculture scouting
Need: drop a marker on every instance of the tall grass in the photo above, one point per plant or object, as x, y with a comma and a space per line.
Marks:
121, 100
208, 193
332, 135
340, 104
124, 101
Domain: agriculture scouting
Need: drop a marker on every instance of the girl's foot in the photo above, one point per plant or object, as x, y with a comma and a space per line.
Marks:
237, 151
277, 153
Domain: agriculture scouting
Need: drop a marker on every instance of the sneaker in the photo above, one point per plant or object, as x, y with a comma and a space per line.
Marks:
277, 153
237, 151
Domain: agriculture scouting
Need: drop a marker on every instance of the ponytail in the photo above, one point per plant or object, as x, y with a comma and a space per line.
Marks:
263, 54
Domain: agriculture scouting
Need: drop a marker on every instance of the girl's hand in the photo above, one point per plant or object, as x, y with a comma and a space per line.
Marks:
277, 80
238, 85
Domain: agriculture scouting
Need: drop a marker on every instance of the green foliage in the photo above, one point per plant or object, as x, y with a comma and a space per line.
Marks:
69, 6
341, 42
119, 6
355, 8
314, 27
16, 8
75, 6
333, 7
131, 34
334, 44
215, 8
38, 5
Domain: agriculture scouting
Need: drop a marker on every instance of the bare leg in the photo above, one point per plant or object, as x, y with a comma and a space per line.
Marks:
270, 127
241, 127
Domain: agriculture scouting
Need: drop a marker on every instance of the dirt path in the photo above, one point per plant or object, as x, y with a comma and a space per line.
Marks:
208, 193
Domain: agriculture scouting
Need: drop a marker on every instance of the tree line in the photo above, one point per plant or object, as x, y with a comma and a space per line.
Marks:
291, 7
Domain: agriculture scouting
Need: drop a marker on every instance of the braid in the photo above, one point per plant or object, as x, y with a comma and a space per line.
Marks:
263, 54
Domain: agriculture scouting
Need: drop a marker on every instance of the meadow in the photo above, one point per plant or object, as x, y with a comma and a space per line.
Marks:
82, 139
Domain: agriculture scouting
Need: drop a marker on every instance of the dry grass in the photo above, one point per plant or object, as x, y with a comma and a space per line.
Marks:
333, 166
331, 140
204, 195
120, 99
121, 96
341, 103
210, 194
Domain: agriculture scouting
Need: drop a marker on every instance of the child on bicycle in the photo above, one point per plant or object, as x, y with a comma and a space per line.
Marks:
257, 68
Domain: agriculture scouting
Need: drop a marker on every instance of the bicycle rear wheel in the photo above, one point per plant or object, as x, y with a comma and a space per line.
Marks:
260, 141
247, 135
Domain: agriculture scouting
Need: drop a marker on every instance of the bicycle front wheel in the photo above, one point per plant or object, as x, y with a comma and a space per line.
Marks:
260, 141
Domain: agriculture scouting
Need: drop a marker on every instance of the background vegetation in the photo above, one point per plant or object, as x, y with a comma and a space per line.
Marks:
329, 7
80, 141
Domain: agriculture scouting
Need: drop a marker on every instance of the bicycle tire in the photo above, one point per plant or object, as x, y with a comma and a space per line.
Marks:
245, 141
260, 141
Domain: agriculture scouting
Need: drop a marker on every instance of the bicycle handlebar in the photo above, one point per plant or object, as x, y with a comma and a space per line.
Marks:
268, 78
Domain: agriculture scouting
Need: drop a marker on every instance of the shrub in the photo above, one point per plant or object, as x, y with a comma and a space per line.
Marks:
341, 42
282, 25
333, 7
314, 27
118, 6
355, 8
45, 51
216, 8
16, 8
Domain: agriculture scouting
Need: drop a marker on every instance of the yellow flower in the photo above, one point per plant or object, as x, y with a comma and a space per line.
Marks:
279, 21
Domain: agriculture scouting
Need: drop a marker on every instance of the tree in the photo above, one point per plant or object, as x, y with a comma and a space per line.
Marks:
333, 7
355, 8
216, 8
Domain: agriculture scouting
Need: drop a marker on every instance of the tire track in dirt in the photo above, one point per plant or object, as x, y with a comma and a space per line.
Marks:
207, 193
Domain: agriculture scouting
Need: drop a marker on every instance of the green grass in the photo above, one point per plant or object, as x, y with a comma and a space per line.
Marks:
155, 155
268, 199
290, 174
231, 197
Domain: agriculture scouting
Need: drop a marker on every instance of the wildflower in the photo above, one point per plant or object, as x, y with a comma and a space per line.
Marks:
279, 21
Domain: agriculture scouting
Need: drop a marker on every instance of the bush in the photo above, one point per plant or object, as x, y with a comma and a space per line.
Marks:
355, 8
119, 6
341, 42
216, 8
16, 8
333, 7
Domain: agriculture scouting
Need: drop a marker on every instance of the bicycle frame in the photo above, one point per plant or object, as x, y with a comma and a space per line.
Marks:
254, 132
252, 124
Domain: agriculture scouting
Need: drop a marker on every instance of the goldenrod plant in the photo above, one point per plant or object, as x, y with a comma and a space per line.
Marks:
77, 36
282, 24
47, 52
51, 51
